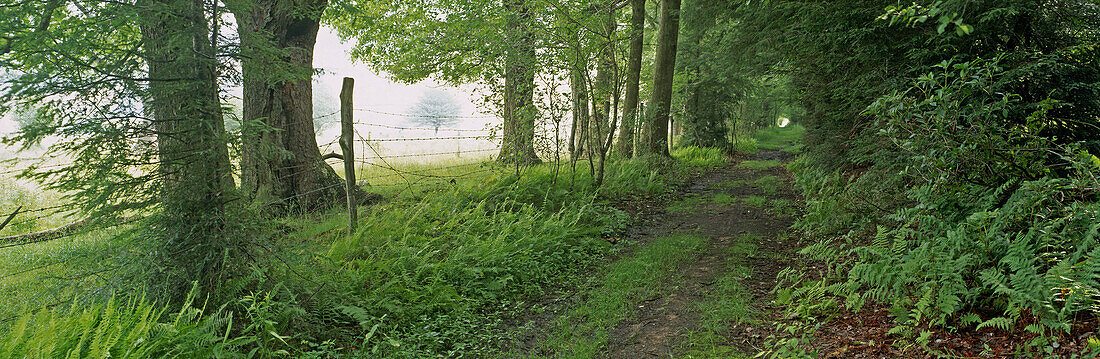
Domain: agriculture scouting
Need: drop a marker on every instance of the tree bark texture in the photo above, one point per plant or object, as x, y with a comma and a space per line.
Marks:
518, 143
660, 101
601, 107
280, 159
625, 146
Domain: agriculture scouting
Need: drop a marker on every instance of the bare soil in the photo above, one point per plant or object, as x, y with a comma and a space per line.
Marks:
865, 335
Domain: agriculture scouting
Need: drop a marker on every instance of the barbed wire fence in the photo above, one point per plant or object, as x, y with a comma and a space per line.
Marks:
394, 157
379, 160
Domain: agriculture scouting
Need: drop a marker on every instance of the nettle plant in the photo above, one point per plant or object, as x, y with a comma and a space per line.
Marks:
1002, 230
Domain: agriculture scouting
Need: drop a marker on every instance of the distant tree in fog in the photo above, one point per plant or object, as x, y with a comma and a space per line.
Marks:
435, 109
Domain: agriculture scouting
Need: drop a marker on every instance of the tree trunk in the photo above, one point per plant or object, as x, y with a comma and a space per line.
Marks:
625, 146
193, 157
605, 93
280, 159
601, 98
579, 133
518, 143
660, 102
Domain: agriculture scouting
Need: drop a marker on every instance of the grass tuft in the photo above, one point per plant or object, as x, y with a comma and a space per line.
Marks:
699, 157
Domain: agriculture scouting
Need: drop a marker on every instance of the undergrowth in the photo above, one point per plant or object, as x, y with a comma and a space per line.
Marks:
432, 271
963, 230
122, 328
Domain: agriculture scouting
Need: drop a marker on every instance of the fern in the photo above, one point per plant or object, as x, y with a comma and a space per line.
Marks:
1001, 323
1035, 328
969, 319
882, 239
131, 328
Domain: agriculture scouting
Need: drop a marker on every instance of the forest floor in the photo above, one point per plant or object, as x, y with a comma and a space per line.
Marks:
694, 279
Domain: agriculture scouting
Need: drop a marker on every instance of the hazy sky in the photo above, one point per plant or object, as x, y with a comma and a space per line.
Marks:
376, 92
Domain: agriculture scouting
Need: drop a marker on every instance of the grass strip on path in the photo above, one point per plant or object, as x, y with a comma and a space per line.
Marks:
583, 331
727, 303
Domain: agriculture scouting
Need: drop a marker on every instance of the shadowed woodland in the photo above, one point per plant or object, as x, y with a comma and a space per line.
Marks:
661, 178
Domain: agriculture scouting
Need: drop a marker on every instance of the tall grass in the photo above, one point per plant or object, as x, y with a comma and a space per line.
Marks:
36, 207
700, 157
43, 273
436, 269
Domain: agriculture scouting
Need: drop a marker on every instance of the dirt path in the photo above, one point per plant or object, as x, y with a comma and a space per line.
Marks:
723, 206
713, 302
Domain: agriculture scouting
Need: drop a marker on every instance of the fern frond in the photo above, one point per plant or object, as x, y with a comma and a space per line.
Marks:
1001, 323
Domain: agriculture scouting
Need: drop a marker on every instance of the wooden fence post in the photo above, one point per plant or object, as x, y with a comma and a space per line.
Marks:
347, 142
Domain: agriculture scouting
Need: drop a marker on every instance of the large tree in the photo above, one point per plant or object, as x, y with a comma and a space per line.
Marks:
190, 135
131, 89
664, 66
518, 144
280, 159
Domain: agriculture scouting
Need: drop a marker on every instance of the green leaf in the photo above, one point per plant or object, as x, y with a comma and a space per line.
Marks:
964, 29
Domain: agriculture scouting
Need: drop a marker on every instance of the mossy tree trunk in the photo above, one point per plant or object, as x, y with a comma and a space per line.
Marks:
280, 159
579, 133
660, 101
625, 146
518, 143
194, 167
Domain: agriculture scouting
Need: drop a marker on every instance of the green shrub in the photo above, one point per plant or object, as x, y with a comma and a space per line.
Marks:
438, 263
